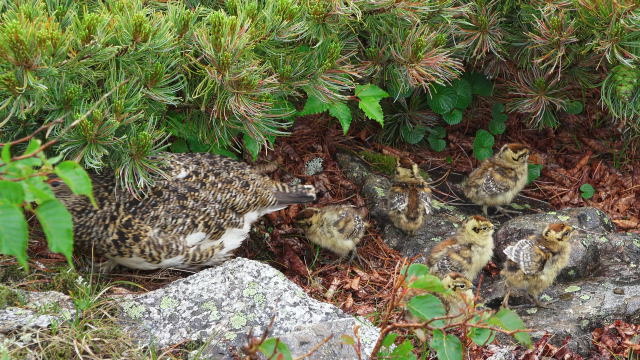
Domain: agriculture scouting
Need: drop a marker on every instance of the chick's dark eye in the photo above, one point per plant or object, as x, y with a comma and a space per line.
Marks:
55, 183
461, 286
476, 229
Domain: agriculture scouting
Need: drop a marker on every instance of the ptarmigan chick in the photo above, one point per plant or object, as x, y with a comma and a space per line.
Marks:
194, 217
467, 252
498, 179
455, 302
534, 263
409, 198
338, 228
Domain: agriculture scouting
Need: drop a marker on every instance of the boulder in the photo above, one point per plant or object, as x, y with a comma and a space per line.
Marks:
33, 310
220, 305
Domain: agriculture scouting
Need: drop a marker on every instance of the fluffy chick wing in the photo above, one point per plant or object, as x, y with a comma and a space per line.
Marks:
529, 257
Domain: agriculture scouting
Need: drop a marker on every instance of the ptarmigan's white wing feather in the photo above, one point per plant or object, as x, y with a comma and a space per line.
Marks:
522, 253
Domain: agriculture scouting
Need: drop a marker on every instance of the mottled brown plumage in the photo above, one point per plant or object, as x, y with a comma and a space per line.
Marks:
467, 252
409, 200
498, 179
194, 217
338, 228
533, 264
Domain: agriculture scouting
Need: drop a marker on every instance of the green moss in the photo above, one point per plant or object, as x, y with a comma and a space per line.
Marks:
385, 164
11, 273
10, 297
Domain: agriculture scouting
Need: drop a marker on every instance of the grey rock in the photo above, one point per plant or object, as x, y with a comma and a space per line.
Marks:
220, 305
41, 309
579, 308
592, 227
501, 352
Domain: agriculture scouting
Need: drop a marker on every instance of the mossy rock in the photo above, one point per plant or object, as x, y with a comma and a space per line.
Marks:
385, 164
382, 163
10, 297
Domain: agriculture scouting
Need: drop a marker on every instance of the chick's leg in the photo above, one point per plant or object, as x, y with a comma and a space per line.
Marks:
506, 211
485, 211
505, 301
539, 303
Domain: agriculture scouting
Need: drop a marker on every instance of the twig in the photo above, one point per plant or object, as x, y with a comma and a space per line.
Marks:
315, 348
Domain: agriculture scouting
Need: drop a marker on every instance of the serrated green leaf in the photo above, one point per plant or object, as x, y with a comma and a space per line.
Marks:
57, 225
482, 153
252, 146
497, 127
35, 189
6, 153
14, 233
587, 191
481, 336
534, 171
427, 307
416, 270
273, 346
341, 112
509, 320
11, 192
403, 351
454, 117
76, 178
437, 144
372, 109
313, 106
463, 92
483, 139
56, 159
497, 108
413, 135
370, 90
574, 107
480, 85
447, 347
34, 144
442, 99
428, 282
389, 339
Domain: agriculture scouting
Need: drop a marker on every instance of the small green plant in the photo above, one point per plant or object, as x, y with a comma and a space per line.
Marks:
534, 171
587, 191
368, 97
23, 183
483, 144
497, 125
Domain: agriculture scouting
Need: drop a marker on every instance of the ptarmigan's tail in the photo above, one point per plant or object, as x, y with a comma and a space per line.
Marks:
294, 194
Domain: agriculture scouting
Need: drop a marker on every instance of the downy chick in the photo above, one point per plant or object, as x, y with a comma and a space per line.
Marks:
498, 179
409, 198
455, 302
467, 252
534, 263
338, 228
